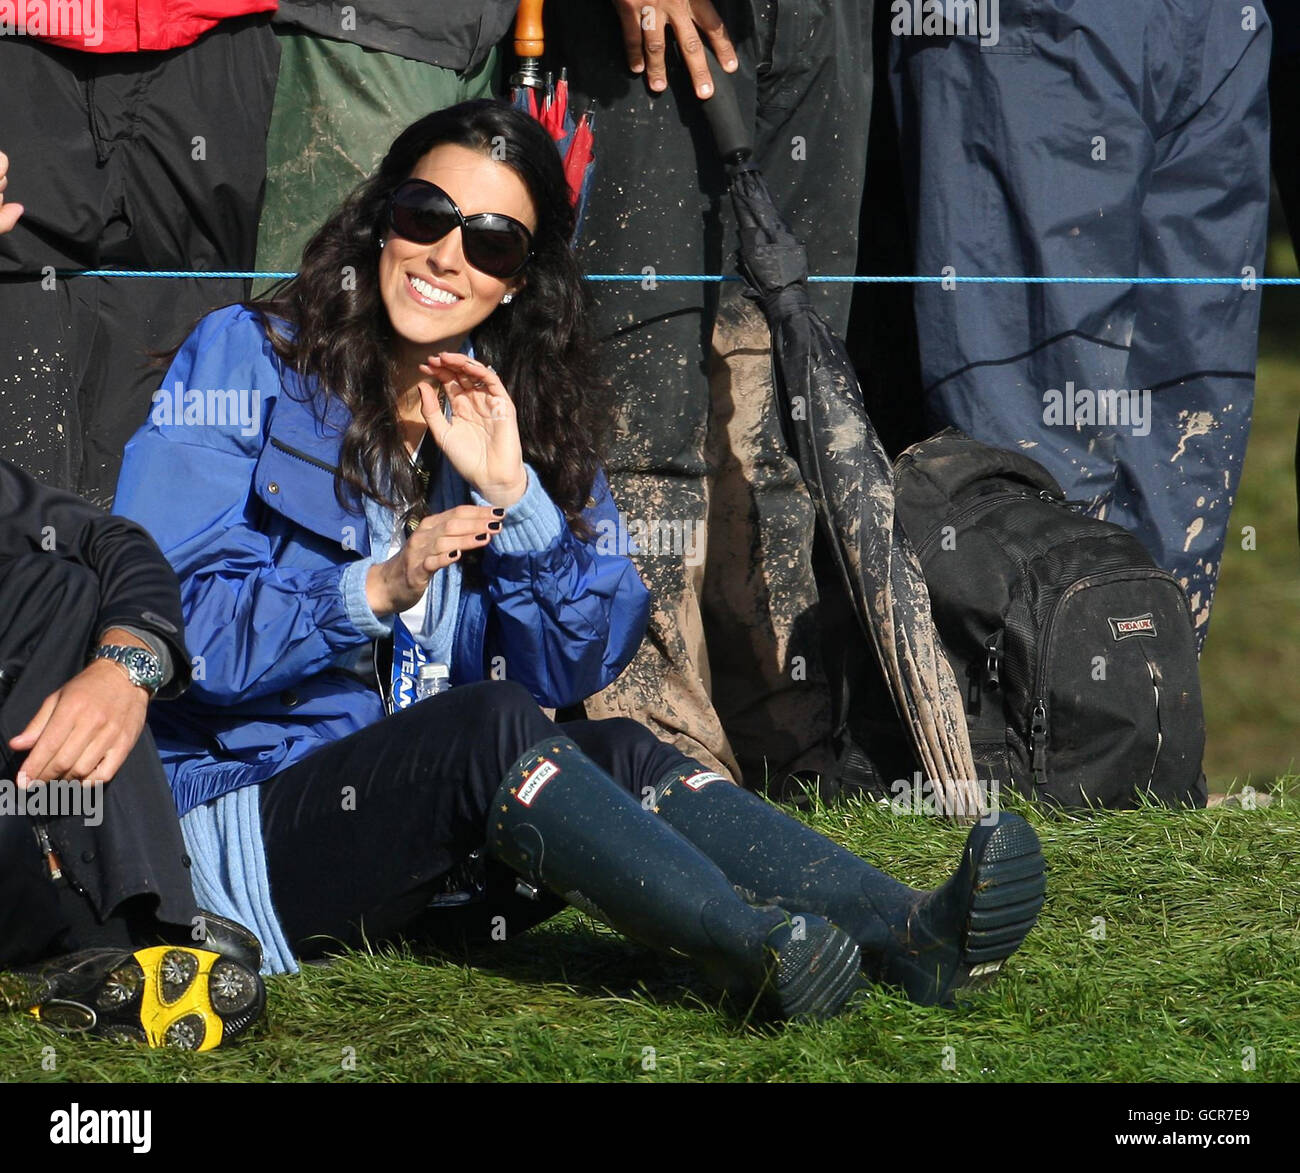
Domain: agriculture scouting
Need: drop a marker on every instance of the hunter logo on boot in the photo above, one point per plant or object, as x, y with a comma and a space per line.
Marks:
1138, 625
534, 781
702, 779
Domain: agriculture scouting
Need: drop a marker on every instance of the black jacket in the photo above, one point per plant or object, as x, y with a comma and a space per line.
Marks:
137, 588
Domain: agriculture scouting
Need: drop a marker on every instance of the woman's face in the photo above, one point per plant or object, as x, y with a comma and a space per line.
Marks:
433, 296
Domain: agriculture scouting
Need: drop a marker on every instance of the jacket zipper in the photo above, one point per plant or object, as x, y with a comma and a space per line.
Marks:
374, 644
47, 850
383, 692
302, 456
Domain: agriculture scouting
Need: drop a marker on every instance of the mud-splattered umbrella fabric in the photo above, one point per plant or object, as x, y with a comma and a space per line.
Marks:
850, 480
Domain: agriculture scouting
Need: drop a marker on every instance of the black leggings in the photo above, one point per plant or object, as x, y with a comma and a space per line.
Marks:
358, 834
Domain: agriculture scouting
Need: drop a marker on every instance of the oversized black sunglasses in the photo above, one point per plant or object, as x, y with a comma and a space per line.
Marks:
494, 244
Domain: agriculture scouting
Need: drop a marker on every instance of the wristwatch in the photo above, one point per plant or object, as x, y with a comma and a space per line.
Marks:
142, 667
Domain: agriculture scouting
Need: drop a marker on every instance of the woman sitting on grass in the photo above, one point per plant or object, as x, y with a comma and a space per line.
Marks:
417, 494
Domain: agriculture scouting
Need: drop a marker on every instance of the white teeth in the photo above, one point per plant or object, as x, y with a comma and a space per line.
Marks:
424, 289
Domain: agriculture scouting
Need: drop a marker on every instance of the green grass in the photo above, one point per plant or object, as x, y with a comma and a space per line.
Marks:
1200, 959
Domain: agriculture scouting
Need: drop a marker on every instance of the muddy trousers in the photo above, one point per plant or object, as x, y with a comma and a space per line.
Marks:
1032, 157
122, 857
715, 513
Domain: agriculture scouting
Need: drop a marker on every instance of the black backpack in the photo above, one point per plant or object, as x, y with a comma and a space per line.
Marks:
1074, 652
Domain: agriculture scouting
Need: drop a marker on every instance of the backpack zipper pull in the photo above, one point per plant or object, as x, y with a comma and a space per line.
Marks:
1038, 740
992, 667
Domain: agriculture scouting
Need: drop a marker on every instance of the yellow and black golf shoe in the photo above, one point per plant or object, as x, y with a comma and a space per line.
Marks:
163, 996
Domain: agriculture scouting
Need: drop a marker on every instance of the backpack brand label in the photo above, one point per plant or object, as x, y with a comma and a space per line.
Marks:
1137, 625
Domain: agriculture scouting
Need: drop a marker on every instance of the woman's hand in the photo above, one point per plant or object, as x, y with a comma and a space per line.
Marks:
482, 437
439, 541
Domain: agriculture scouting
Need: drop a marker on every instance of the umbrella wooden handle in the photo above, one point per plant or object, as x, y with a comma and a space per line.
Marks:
529, 41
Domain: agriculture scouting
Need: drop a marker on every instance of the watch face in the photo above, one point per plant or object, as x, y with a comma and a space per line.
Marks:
143, 668
146, 668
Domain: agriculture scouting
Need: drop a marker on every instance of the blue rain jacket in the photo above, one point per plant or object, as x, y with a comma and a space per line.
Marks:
238, 491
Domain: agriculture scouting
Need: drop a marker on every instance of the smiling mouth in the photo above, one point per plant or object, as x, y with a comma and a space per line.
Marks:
430, 294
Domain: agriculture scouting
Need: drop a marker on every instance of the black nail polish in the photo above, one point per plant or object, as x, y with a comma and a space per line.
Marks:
480, 537
454, 555
498, 513
494, 526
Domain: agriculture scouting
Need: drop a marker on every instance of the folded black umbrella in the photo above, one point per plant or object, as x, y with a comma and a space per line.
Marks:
848, 476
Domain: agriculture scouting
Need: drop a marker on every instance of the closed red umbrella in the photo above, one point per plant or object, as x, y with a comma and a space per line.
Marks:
548, 101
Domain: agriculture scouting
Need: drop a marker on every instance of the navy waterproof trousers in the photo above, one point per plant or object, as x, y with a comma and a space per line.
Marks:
1088, 138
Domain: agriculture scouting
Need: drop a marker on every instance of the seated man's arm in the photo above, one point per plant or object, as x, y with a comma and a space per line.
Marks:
85, 729
138, 590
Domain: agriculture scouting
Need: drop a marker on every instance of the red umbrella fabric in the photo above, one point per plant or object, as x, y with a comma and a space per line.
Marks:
549, 102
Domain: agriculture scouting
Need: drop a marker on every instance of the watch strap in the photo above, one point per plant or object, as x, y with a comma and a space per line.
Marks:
157, 645
142, 667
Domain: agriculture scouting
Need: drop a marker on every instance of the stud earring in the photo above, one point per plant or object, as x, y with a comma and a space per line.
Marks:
381, 245
509, 297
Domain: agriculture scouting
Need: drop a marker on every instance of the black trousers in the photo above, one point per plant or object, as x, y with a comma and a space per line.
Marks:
123, 161
125, 868
359, 833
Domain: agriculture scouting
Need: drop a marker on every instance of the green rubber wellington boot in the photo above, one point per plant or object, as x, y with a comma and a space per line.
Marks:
563, 824
932, 944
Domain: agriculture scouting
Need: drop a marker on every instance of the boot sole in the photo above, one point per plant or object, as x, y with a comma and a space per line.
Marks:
1006, 893
816, 973
165, 996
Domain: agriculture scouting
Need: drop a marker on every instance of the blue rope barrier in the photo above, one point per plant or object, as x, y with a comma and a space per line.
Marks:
915, 279
212, 274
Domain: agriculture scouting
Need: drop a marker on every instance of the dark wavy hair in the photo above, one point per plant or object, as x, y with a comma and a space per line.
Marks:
540, 344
